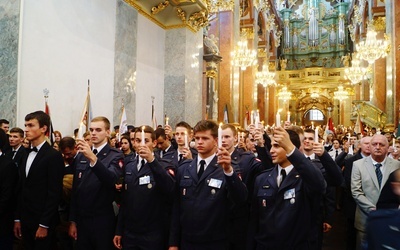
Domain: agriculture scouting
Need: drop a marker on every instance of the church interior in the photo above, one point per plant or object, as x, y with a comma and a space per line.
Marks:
309, 60
225, 60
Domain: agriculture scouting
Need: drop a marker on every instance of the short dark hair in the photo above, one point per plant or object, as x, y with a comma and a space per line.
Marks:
160, 132
336, 139
4, 121
205, 125
17, 130
41, 117
185, 125
309, 130
67, 142
131, 128
294, 138
146, 129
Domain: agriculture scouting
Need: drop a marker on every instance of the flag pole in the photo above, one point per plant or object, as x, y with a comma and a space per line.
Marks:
87, 106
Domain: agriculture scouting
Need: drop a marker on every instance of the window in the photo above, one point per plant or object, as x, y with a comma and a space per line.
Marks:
316, 115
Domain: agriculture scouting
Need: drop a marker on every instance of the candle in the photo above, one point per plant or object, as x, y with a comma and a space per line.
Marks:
220, 136
186, 140
312, 125
257, 118
278, 119
316, 135
252, 117
166, 120
143, 142
348, 136
288, 116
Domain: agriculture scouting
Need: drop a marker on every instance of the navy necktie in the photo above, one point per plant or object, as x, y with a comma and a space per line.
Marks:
337, 153
283, 173
378, 173
95, 151
201, 170
180, 157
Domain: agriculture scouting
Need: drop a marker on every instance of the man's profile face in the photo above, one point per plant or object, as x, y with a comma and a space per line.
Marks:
33, 131
278, 154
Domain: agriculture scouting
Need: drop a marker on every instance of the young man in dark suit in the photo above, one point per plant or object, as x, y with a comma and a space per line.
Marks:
97, 170
206, 187
147, 193
16, 152
40, 187
283, 210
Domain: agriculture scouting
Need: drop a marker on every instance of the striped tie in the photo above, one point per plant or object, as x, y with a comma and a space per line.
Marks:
378, 173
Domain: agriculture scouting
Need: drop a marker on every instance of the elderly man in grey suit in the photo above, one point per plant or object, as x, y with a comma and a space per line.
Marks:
368, 177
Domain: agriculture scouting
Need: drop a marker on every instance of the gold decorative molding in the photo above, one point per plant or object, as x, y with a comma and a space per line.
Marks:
172, 14
248, 32
181, 14
312, 77
262, 52
160, 7
198, 20
379, 23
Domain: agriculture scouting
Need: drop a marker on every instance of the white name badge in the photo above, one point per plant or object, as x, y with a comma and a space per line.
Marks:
215, 183
144, 180
291, 193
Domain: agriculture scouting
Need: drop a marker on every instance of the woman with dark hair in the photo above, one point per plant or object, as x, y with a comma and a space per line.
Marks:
8, 185
126, 146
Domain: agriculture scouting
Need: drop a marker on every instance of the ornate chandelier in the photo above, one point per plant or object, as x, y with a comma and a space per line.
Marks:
265, 77
284, 94
214, 6
340, 94
355, 74
242, 56
372, 48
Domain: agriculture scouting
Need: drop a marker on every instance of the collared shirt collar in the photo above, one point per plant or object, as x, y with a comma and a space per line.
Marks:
207, 160
100, 148
312, 156
287, 169
40, 145
375, 162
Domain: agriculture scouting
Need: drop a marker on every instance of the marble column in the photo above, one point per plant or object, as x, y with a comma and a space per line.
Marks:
125, 62
183, 76
9, 37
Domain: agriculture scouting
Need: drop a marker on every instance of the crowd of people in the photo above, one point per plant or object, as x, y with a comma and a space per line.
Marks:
205, 186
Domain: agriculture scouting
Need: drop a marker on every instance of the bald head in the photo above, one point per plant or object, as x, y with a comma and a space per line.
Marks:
364, 145
379, 147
